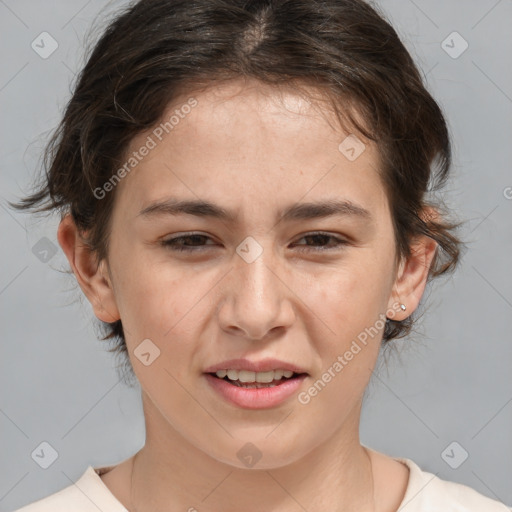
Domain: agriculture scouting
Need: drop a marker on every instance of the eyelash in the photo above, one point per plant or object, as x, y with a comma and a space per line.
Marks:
171, 243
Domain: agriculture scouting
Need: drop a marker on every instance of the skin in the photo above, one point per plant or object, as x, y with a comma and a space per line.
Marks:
253, 150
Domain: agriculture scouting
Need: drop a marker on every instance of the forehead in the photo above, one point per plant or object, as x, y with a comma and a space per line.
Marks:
251, 110
249, 141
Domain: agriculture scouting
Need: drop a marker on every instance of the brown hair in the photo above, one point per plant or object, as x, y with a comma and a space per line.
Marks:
156, 49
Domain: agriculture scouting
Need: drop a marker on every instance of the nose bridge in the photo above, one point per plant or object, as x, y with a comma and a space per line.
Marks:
257, 287
257, 297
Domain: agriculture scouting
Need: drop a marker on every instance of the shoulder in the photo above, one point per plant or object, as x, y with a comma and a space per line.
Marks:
87, 494
427, 492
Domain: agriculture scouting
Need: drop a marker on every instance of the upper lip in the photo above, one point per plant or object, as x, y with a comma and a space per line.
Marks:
264, 365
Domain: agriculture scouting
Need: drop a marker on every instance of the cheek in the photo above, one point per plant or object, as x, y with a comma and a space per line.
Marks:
348, 339
164, 310
351, 304
352, 296
158, 306
151, 294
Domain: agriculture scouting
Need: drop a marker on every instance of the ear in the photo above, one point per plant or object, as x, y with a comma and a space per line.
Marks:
93, 278
413, 272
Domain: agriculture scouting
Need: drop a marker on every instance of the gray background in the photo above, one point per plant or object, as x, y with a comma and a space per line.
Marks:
451, 382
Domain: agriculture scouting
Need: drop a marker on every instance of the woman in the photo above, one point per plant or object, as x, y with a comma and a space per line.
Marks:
242, 187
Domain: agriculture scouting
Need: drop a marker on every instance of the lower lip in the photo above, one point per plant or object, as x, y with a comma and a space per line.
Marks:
254, 398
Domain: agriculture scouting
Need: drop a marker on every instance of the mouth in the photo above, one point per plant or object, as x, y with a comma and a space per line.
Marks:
252, 382
255, 390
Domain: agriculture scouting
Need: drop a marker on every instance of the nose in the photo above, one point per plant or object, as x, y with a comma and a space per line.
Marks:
256, 301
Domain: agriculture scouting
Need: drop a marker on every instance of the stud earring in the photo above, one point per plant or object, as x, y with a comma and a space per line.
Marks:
402, 306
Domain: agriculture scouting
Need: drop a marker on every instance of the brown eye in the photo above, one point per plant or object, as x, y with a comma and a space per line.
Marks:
192, 242
322, 241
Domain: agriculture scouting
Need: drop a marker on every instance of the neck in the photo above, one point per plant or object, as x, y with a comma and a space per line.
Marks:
170, 473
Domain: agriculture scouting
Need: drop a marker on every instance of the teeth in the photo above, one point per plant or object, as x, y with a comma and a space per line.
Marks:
246, 376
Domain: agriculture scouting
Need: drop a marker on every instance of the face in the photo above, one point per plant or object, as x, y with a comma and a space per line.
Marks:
195, 288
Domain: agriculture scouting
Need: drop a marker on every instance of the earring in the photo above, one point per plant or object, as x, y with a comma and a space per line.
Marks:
402, 306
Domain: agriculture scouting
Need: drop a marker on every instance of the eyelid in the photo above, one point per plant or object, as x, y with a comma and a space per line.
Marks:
167, 242
339, 241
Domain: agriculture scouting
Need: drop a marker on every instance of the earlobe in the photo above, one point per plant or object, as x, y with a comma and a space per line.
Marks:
92, 277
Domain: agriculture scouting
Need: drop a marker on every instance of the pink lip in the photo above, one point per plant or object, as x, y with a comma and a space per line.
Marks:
254, 398
264, 365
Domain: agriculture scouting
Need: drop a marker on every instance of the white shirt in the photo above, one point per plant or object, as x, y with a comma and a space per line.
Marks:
425, 493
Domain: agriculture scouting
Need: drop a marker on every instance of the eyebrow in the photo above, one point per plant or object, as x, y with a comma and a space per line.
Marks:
298, 211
